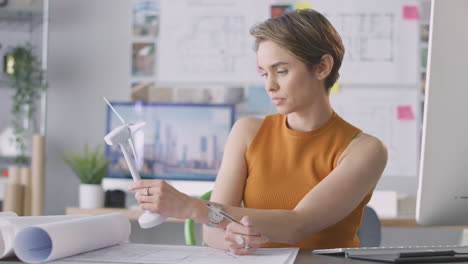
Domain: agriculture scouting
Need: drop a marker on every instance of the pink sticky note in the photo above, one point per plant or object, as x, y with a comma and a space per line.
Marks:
405, 112
410, 12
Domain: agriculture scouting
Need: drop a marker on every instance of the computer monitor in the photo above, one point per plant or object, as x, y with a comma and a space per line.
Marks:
442, 197
180, 143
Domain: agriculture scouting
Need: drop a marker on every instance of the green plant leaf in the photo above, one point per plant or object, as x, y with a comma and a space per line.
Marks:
90, 167
27, 79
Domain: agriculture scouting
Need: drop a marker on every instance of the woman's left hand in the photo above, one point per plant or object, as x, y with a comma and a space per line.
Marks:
160, 197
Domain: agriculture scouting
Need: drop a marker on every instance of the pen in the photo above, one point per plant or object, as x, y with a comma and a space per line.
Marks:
230, 218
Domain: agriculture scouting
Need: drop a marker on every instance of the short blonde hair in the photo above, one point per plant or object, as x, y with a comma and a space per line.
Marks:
307, 34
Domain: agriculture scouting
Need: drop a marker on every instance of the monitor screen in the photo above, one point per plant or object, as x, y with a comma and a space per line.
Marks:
178, 141
443, 181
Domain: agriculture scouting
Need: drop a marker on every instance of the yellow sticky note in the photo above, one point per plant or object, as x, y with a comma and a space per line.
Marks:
302, 5
335, 88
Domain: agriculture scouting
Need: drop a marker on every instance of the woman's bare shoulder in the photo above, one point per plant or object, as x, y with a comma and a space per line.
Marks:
249, 123
246, 128
365, 143
369, 140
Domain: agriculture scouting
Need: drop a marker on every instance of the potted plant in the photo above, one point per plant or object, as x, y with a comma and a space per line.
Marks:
26, 77
90, 167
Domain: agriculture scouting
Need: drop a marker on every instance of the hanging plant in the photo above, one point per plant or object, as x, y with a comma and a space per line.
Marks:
26, 77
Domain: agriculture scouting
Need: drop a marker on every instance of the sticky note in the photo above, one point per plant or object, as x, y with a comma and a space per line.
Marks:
277, 10
410, 12
336, 88
302, 5
405, 112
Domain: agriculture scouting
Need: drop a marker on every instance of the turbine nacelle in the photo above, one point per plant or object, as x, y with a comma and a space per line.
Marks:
118, 135
124, 132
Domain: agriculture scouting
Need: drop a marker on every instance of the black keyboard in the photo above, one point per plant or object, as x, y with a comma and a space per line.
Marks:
390, 250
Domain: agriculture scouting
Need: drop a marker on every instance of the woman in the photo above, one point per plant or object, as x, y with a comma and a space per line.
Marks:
298, 178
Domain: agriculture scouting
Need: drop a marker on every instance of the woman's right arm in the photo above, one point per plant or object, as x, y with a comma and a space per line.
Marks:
230, 181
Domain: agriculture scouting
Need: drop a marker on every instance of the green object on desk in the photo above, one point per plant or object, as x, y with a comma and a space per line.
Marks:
188, 226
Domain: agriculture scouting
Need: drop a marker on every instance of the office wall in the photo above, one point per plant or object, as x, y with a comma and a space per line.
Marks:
88, 58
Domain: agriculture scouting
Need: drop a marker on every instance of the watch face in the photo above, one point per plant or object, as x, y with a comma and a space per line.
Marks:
214, 216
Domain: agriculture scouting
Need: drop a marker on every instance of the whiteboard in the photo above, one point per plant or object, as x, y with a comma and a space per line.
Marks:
208, 41
381, 39
391, 114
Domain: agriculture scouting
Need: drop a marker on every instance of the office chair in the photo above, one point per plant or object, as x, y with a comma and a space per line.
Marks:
369, 232
189, 234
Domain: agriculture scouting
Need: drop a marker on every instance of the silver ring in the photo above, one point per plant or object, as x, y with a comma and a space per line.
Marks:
239, 240
247, 246
146, 191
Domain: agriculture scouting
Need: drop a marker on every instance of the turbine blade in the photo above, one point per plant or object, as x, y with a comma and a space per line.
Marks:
135, 127
115, 111
132, 146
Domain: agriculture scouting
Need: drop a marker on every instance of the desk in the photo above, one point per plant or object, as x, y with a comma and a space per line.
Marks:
304, 257
395, 231
410, 222
134, 214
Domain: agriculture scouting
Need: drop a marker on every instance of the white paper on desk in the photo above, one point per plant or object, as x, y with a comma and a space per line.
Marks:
158, 254
51, 241
11, 225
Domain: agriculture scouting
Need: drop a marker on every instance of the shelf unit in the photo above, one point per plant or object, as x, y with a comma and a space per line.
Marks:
21, 21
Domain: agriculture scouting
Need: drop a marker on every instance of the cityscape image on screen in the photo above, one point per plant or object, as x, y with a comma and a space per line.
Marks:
178, 141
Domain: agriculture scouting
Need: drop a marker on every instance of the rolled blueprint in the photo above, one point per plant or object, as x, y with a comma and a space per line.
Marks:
46, 242
25, 177
37, 174
8, 214
10, 225
14, 174
13, 197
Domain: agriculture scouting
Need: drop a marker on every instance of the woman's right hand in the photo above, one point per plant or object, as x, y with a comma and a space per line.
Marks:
243, 239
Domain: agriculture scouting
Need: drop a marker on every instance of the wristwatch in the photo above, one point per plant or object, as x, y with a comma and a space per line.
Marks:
214, 215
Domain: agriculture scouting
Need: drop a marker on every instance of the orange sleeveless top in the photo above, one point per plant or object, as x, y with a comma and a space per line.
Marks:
284, 165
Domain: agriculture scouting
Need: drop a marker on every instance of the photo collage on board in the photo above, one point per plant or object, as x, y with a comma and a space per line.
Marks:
145, 32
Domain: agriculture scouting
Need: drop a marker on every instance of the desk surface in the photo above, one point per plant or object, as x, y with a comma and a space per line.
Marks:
304, 257
134, 214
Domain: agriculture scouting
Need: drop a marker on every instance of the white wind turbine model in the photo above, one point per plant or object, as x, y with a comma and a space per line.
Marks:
122, 135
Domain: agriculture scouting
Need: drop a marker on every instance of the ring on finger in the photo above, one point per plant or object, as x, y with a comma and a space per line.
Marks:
146, 191
247, 246
239, 239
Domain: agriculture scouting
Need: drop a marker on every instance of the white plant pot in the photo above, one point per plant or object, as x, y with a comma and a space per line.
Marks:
91, 196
